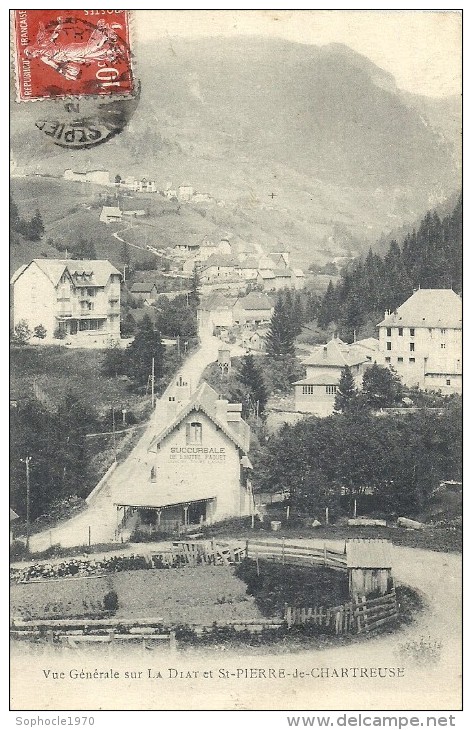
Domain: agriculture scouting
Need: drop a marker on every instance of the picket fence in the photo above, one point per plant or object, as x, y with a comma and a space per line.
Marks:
360, 615
284, 552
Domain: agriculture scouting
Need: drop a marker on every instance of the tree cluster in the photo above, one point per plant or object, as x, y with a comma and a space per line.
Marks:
400, 459
381, 388
56, 443
30, 228
429, 258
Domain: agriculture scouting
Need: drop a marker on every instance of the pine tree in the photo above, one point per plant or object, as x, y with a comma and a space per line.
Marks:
35, 227
346, 393
14, 215
381, 387
280, 336
146, 345
194, 296
252, 379
328, 307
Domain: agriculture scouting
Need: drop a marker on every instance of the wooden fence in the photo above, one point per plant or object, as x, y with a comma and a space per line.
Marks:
284, 552
360, 615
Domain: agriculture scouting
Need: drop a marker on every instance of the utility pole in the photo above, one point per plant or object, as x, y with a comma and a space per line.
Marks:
114, 435
125, 266
152, 384
26, 461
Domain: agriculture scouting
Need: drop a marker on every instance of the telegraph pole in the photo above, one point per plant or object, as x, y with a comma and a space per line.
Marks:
28, 500
152, 383
114, 436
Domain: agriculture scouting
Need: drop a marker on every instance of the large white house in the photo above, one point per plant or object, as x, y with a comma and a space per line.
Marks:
316, 393
78, 302
422, 340
197, 467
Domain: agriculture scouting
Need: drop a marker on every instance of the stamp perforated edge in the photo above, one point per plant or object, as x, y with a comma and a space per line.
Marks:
130, 15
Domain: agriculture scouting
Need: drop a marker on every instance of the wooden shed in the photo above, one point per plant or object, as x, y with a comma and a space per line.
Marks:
369, 566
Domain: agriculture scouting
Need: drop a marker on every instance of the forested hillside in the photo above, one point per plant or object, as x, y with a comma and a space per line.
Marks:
430, 258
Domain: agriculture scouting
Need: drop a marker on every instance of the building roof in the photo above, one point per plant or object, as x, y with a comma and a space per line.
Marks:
143, 287
368, 553
13, 515
99, 270
298, 272
266, 274
335, 353
249, 263
205, 399
427, 308
164, 493
254, 300
217, 301
327, 379
110, 210
221, 259
284, 273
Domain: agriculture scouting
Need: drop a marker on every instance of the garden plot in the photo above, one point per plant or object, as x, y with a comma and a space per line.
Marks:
193, 595
67, 598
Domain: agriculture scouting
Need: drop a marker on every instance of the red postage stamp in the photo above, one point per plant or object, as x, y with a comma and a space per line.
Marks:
61, 53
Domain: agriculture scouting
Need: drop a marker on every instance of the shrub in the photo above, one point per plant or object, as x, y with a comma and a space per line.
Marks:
21, 333
59, 333
18, 550
110, 601
40, 332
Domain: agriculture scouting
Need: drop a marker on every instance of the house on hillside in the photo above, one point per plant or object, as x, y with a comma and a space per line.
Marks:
422, 340
276, 279
132, 207
197, 468
145, 292
316, 393
255, 308
78, 302
219, 267
248, 268
110, 214
185, 192
216, 312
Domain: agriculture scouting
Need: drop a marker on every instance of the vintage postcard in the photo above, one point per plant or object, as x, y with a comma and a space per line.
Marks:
236, 361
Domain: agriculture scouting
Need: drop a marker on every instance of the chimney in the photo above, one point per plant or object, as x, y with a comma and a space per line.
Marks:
222, 410
234, 412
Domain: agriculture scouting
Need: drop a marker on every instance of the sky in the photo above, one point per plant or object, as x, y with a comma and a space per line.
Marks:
421, 48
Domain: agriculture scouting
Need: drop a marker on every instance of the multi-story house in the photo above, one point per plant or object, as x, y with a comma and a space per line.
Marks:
316, 393
422, 340
75, 301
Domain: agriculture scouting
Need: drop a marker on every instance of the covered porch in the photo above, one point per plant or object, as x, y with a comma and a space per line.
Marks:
164, 514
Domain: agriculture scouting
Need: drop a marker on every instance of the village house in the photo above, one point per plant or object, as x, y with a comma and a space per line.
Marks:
145, 292
197, 468
254, 309
132, 207
98, 177
248, 268
254, 340
276, 279
422, 340
185, 192
78, 302
110, 214
316, 393
219, 267
216, 313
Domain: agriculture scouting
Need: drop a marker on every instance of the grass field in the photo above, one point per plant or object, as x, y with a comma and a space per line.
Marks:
203, 594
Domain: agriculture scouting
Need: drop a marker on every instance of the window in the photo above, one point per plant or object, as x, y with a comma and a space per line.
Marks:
412, 360
412, 332
443, 331
399, 359
448, 381
412, 346
90, 292
389, 345
389, 331
443, 345
387, 359
153, 473
400, 331
307, 390
194, 433
90, 306
331, 389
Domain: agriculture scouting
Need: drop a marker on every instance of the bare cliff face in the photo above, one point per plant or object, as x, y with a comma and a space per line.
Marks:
323, 129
